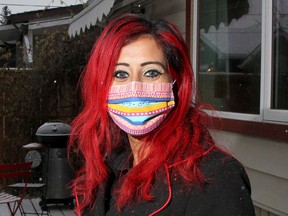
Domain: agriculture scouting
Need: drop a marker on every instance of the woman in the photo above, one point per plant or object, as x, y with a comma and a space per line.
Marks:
144, 142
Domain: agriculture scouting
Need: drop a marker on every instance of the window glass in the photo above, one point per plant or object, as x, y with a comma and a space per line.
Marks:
8, 55
280, 55
230, 54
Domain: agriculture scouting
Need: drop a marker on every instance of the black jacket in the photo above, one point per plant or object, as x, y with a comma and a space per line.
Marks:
225, 193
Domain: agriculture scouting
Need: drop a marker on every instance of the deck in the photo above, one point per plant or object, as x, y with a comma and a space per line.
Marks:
55, 210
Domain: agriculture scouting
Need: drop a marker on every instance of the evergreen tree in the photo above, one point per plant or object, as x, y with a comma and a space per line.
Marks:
4, 15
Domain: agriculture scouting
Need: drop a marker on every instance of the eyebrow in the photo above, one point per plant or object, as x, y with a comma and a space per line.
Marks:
143, 64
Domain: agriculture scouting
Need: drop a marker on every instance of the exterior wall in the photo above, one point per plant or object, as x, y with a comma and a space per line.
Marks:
171, 10
264, 159
266, 165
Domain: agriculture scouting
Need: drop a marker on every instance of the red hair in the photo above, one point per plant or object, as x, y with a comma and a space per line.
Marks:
179, 140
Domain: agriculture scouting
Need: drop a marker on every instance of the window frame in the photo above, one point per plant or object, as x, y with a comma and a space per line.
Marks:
267, 114
273, 115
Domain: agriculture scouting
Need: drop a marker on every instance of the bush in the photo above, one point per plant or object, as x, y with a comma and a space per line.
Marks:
47, 91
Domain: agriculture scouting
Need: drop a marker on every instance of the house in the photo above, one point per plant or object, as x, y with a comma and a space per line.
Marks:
239, 54
17, 79
21, 29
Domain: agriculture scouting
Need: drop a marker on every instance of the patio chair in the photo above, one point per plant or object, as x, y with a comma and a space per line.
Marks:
15, 171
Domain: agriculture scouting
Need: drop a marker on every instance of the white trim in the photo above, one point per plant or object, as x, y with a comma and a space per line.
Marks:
276, 115
267, 47
266, 53
27, 49
49, 23
195, 38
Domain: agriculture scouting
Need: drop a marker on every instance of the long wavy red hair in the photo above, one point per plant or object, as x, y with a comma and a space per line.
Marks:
179, 140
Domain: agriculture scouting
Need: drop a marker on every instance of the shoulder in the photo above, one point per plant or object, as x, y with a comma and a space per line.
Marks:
218, 164
226, 190
224, 173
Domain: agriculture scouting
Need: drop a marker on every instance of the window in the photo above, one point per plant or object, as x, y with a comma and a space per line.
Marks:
276, 103
242, 58
280, 55
8, 55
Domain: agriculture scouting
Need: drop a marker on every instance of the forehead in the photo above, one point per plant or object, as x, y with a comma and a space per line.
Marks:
143, 48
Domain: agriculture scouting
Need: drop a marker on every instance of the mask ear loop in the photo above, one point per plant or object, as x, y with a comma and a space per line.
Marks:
173, 82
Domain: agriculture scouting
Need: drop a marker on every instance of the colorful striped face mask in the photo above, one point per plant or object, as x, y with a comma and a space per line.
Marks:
138, 108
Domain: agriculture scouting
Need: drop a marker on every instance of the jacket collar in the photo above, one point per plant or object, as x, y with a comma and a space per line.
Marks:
120, 161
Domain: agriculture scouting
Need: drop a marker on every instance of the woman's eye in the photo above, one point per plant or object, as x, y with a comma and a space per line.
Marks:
121, 74
152, 73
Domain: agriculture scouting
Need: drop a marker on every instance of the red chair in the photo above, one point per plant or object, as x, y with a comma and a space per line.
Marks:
17, 172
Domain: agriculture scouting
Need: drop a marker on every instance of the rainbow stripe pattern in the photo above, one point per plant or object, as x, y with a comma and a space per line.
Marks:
138, 107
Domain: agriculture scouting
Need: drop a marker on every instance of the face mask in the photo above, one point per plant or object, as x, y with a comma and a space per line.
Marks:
138, 108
